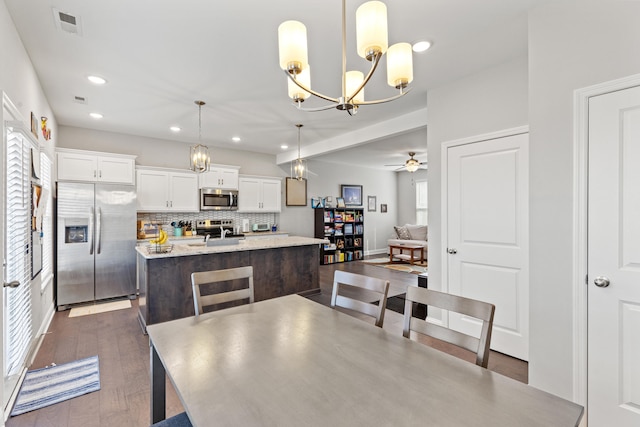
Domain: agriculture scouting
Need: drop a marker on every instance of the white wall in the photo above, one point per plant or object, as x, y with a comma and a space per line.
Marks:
492, 100
20, 83
571, 46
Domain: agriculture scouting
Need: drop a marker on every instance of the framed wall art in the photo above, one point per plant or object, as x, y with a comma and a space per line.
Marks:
371, 203
352, 194
383, 208
296, 192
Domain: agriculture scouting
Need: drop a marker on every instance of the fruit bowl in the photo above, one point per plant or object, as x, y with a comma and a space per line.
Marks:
155, 248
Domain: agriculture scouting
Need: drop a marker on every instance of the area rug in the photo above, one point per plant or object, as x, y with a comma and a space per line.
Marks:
398, 266
99, 308
46, 386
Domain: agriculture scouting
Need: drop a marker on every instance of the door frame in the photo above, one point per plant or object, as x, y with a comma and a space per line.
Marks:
580, 226
444, 171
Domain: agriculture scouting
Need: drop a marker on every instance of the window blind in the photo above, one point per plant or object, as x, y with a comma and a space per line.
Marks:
18, 235
47, 221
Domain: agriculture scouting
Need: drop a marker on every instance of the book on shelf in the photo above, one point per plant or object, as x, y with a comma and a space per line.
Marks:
348, 229
329, 246
349, 216
359, 229
328, 216
328, 230
337, 217
339, 229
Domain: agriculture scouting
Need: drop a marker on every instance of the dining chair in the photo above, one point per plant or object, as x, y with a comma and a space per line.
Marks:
478, 309
354, 298
180, 420
218, 297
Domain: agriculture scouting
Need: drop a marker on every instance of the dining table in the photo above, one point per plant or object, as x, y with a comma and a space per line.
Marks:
290, 361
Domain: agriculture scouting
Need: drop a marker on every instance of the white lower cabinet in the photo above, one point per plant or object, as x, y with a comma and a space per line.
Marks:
163, 190
258, 194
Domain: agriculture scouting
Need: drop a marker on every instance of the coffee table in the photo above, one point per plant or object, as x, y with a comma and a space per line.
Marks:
411, 257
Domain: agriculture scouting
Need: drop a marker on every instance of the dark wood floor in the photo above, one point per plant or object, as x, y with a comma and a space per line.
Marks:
116, 337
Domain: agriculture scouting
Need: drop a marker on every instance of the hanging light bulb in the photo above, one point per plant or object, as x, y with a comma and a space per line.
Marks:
199, 159
299, 165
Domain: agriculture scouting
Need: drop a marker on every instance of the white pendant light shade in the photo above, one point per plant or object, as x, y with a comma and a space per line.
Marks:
354, 80
399, 65
295, 92
292, 44
371, 29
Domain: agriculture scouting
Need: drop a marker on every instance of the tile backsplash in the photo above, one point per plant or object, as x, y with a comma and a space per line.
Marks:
166, 218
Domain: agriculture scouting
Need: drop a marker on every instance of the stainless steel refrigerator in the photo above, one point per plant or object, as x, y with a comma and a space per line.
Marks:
96, 238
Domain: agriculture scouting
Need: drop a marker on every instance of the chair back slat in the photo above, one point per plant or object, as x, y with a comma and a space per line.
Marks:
478, 309
217, 276
357, 292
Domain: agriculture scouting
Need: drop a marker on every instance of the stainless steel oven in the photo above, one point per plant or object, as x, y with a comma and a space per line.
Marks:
214, 199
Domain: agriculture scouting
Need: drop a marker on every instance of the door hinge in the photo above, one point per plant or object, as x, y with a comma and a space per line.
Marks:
586, 279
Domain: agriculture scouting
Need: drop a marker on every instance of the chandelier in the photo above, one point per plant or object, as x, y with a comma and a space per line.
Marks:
299, 165
372, 43
199, 159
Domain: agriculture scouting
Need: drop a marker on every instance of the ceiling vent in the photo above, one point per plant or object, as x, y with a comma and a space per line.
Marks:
80, 99
67, 23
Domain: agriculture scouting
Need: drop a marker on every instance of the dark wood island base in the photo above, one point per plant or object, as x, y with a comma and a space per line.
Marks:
165, 282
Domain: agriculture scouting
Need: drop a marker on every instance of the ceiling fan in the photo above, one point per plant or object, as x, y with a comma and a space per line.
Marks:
411, 165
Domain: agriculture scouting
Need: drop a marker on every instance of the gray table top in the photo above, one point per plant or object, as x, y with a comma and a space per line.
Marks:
291, 362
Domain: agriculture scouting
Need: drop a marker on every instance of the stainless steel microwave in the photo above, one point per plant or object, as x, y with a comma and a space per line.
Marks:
214, 199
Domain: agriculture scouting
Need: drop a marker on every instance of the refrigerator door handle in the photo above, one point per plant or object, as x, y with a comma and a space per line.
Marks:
99, 231
91, 231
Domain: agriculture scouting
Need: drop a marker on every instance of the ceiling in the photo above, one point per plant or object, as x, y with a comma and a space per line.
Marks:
159, 56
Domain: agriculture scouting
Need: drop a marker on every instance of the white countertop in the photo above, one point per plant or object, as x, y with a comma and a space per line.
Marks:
242, 245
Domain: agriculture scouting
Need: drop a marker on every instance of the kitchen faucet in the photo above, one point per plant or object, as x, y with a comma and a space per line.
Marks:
223, 232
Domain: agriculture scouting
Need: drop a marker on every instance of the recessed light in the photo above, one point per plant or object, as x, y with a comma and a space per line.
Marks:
284, 147
96, 115
421, 46
96, 80
236, 139
175, 129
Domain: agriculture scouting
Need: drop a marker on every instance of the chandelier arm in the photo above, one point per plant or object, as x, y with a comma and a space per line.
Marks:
314, 109
374, 65
311, 91
381, 101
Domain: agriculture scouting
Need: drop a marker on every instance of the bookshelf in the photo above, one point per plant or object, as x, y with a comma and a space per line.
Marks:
344, 230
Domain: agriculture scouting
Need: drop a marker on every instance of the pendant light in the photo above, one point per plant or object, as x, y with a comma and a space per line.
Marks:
372, 43
199, 159
299, 165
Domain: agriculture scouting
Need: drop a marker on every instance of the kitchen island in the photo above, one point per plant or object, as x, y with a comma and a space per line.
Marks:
281, 266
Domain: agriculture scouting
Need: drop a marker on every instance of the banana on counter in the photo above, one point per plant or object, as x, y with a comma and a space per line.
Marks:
161, 239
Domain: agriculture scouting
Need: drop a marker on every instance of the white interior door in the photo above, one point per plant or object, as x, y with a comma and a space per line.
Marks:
487, 236
614, 259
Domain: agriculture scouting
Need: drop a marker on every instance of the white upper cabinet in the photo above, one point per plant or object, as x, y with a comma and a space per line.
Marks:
90, 166
258, 194
222, 177
166, 190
